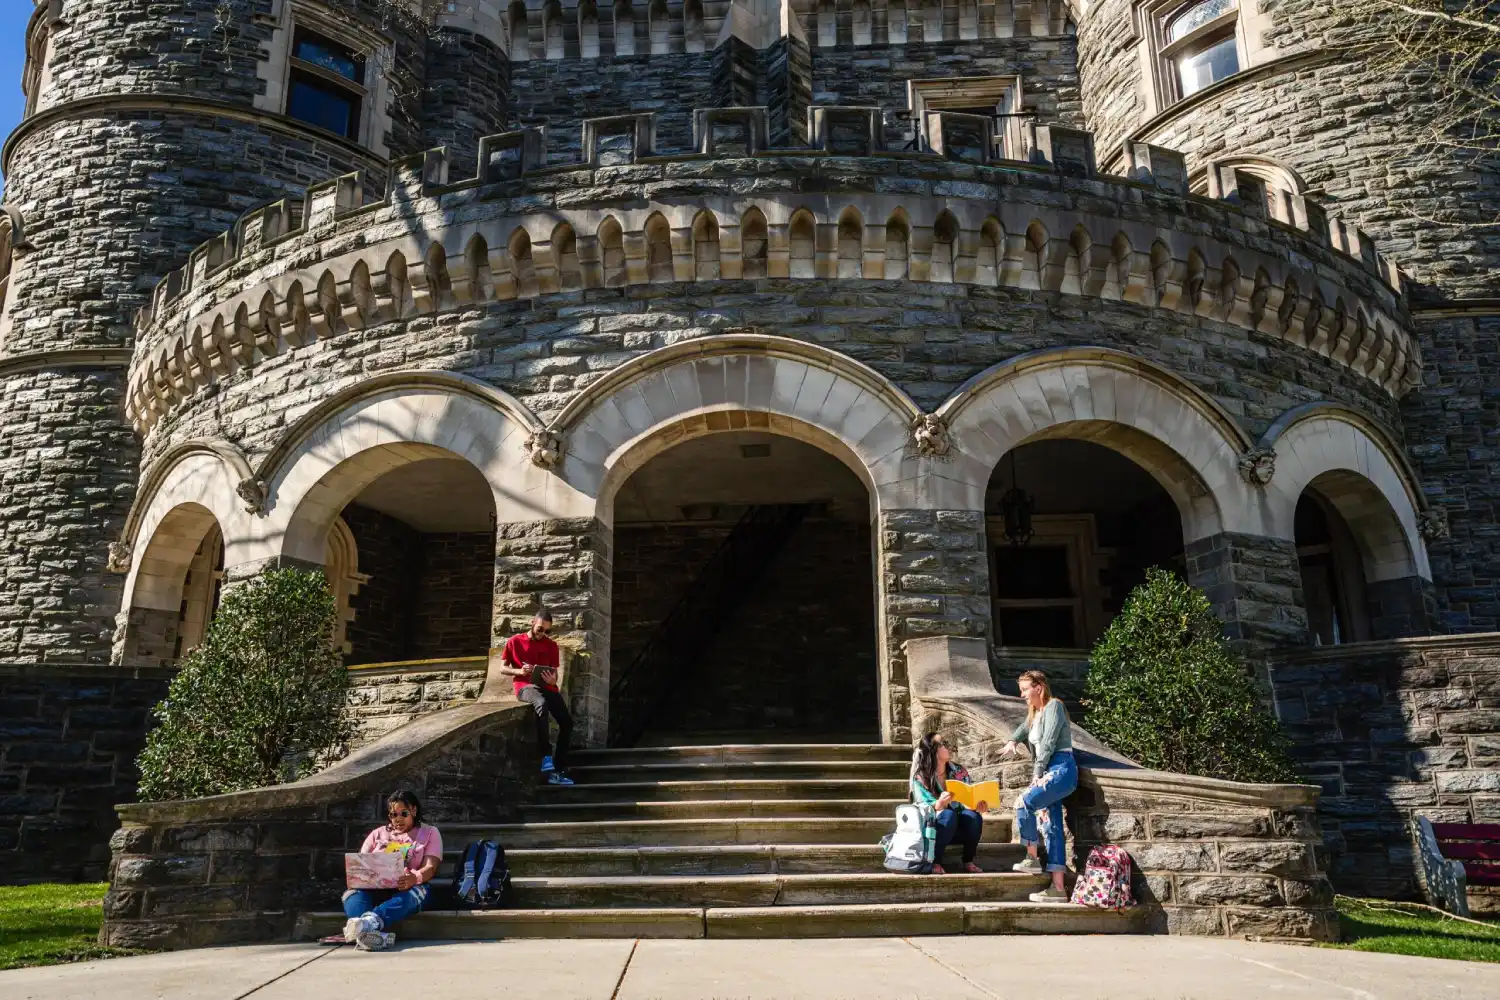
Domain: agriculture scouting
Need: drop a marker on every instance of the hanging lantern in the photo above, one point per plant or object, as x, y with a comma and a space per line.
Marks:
1016, 507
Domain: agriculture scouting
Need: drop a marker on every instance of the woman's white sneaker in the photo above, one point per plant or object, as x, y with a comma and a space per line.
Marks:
355, 926
1050, 895
1031, 866
375, 941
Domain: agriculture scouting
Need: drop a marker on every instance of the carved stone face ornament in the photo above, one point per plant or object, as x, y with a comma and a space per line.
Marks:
930, 432
1257, 466
1433, 524
255, 493
119, 557
544, 447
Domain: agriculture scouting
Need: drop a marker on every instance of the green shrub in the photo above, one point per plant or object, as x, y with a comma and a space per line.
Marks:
1165, 689
260, 701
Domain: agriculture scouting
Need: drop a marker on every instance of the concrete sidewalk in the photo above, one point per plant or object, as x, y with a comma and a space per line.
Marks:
941, 968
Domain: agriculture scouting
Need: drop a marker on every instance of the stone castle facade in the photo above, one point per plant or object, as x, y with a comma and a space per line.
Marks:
434, 306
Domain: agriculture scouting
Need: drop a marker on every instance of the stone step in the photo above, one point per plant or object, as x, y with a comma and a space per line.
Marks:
864, 920
737, 788
593, 774
770, 890
753, 859
747, 753
695, 832
553, 812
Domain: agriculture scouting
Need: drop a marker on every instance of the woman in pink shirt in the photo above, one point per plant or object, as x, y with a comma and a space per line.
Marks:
371, 911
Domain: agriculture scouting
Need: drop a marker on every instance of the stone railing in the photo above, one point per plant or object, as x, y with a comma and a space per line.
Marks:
286, 278
384, 696
1390, 731
1212, 857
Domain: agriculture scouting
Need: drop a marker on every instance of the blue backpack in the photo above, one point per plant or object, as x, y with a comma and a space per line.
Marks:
482, 879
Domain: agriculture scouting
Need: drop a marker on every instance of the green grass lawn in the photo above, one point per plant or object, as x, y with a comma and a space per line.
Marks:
48, 924
1374, 925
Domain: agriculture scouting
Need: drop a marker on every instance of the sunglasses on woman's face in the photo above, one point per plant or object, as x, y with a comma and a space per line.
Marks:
399, 814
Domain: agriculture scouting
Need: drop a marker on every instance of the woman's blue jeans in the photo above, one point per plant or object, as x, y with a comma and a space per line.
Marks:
963, 825
387, 904
1043, 801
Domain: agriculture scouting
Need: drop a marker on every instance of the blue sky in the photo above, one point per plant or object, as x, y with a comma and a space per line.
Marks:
13, 17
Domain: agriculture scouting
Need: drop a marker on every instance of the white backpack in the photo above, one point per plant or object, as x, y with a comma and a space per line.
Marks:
911, 847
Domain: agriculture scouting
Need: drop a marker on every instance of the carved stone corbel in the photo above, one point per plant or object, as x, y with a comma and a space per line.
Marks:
930, 432
544, 447
255, 493
119, 557
1433, 524
1257, 466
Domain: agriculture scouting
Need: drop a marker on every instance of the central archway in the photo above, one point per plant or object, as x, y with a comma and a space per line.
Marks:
743, 595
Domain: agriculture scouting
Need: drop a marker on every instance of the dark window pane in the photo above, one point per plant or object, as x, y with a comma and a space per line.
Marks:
322, 106
1032, 571
331, 56
1197, 70
1037, 627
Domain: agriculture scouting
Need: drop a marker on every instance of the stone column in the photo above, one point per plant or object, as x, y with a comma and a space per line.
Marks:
1255, 586
565, 566
935, 581
1402, 607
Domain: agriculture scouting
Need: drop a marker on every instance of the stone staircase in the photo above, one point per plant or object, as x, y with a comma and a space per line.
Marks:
733, 841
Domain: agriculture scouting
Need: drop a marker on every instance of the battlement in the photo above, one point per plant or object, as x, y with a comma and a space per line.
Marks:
848, 208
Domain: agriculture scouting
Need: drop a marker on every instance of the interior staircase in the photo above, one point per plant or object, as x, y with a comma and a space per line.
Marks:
759, 841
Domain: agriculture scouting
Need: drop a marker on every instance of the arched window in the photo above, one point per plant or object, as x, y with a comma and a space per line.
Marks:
341, 566
523, 267
753, 244
1198, 45
802, 233
944, 247
706, 247
200, 592
658, 249
612, 253
897, 239
7, 253
624, 28
661, 27
520, 35
851, 244
565, 253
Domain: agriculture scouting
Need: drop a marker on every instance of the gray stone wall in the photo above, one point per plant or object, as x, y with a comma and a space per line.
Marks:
1393, 730
69, 736
466, 94
1255, 586
935, 581
383, 699
221, 881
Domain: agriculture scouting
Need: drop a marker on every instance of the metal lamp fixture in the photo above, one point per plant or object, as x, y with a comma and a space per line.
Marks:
1016, 506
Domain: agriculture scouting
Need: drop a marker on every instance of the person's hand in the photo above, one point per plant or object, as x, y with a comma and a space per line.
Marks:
548, 675
981, 807
1008, 749
406, 881
944, 801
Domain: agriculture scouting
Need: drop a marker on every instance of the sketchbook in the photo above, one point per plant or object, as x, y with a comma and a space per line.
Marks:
969, 796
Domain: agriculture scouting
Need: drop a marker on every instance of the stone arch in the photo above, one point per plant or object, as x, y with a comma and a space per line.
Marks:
660, 23
552, 30
522, 265
802, 239
944, 247
564, 244
612, 252
692, 26
520, 35
1163, 423
341, 566
358, 435
658, 235
781, 378
588, 29
624, 28
1360, 471
897, 246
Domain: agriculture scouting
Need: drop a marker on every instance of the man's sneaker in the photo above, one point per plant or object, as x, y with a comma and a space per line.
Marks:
355, 926
1050, 895
375, 941
1031, 866
558, 778
546, 765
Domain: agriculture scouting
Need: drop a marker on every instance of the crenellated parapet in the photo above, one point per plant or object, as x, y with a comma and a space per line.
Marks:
845, 210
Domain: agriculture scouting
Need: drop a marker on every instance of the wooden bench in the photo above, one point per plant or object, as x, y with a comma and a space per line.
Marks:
1454, 856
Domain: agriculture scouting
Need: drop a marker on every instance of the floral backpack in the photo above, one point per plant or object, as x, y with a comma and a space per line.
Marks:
1105, 882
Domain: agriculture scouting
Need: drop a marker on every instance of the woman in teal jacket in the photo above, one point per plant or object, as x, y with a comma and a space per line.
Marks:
1054, 776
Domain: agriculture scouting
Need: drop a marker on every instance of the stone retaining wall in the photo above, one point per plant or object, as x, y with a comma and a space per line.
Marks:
191, 881
384, 696
1392, 730
69, 736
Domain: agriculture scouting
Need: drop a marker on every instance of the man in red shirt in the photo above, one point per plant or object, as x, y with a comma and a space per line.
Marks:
531, 658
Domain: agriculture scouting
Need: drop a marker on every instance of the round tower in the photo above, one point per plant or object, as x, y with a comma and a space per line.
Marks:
1277, 98
149, 129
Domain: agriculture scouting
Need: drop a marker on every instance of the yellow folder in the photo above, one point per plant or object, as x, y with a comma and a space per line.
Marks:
970, 796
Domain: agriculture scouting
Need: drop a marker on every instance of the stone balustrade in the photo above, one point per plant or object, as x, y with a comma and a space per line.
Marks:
384, 696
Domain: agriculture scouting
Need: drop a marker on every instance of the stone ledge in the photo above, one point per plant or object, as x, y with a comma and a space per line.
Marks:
410, 746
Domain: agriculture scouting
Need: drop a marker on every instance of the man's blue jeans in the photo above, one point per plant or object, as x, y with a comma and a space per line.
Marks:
387, 904
1043, 800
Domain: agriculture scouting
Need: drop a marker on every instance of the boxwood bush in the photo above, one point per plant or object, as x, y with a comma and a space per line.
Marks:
260, 701
1166, 689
